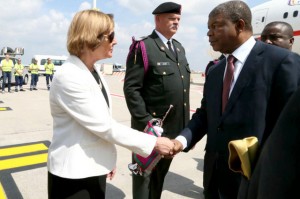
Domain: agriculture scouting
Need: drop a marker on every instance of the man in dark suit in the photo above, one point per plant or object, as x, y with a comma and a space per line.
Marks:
278, 33
276, 174
264, 77
149, 93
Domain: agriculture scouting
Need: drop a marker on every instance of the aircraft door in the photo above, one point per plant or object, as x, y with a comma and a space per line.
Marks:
259, 21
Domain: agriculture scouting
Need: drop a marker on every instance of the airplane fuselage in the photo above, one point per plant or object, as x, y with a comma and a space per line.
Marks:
278, 10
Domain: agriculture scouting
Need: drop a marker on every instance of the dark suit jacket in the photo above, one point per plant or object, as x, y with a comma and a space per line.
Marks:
166, 82
277, 172
268, 78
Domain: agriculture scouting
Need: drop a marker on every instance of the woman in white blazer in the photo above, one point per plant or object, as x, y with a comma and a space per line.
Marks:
82, 153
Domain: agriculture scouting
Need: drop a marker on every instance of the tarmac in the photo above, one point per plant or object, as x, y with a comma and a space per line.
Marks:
26, 132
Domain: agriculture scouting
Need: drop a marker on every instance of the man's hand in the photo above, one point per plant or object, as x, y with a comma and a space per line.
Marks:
164, 146
177, 147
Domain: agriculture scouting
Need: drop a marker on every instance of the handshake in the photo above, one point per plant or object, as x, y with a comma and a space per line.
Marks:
167, 148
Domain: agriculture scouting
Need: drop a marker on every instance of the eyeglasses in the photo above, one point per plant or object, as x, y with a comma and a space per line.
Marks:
110, 37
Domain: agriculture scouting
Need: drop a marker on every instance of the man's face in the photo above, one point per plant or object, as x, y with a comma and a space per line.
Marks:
167, 24
222, 34
7, 57
277, 35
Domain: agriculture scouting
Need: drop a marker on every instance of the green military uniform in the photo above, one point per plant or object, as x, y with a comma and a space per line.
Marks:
149, 95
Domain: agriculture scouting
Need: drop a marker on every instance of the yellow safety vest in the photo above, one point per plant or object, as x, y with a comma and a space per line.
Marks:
7, 65
49, 68
34, 68
19, 69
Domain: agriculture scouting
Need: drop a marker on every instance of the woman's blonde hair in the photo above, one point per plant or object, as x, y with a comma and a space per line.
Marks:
88, 28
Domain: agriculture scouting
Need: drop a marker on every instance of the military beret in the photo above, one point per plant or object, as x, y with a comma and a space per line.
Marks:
167, 7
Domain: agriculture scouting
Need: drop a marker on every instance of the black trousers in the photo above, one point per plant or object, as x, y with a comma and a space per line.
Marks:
85, 188
150, 187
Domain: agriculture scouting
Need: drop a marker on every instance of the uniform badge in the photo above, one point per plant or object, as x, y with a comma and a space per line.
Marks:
178, 50
162, 48
163, 63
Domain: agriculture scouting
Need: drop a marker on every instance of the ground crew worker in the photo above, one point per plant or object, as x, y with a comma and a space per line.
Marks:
34, 69
49, 67
6, 66
19, 75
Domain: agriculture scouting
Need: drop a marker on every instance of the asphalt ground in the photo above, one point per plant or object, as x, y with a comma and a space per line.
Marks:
26, 132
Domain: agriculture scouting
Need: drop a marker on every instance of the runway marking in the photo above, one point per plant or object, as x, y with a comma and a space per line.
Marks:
22, 149
23, 161
5, 109
2, 193
18, 158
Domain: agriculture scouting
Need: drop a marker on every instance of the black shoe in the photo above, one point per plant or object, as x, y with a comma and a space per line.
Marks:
35, 89
30, 89
22, 89
16, 90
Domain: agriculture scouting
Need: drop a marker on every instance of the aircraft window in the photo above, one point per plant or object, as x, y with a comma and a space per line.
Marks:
295, 14
285, 15
263, 19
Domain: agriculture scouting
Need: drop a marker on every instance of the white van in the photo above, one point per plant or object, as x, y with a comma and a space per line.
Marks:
56, 60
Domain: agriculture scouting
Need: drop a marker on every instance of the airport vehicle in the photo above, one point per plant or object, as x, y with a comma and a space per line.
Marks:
277, 10
56, 60
13, 53
118, 68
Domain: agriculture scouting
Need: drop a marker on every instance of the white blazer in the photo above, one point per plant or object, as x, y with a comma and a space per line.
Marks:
84, 133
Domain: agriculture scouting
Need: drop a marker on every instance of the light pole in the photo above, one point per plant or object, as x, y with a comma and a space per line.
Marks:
94, 4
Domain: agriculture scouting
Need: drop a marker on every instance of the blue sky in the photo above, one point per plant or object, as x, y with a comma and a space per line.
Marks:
40, 26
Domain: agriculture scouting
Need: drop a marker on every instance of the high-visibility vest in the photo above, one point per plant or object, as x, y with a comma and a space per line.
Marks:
34, 68
49, 68
7, 65
19, 69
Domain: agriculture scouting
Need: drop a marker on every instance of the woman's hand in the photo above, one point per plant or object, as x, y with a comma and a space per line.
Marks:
111, 174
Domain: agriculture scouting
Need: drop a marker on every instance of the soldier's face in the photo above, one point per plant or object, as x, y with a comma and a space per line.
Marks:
167, 24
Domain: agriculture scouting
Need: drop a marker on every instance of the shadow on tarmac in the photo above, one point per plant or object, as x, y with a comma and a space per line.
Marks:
185, 187
114, 192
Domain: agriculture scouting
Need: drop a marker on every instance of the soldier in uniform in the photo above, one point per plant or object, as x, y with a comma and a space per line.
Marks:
149, 93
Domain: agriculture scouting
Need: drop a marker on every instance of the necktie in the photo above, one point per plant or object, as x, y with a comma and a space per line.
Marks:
227, 81
98, 80
170, 48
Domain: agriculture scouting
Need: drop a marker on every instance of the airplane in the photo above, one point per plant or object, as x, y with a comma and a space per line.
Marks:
277, 10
